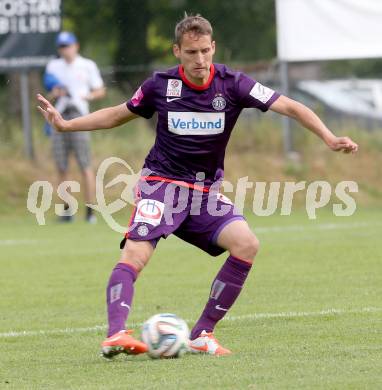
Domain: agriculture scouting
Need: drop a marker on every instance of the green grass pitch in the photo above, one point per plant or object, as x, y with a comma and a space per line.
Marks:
310, 315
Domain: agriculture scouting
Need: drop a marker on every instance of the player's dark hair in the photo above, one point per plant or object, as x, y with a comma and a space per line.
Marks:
194, 24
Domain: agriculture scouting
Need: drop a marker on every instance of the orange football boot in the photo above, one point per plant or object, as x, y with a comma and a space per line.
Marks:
122, 342
207, 343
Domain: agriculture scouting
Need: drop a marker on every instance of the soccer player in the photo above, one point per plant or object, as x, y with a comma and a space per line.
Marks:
198, 103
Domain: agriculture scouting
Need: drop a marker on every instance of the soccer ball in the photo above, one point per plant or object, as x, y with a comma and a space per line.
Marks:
166, 336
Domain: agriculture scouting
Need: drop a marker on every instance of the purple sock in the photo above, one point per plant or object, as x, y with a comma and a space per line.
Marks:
225, 289
119, 295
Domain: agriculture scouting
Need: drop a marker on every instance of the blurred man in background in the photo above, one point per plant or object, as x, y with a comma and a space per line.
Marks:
73, 81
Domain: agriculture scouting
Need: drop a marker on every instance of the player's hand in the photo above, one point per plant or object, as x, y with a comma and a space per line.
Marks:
342, 144
51, 115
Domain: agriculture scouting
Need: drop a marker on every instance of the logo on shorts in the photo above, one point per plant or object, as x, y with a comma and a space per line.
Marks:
219, 102
143, 230
174, 88
224, 199
149, 211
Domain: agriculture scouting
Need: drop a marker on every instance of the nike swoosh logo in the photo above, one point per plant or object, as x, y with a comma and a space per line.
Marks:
218, 307
125, 304
114, 339
170, 100
204, 348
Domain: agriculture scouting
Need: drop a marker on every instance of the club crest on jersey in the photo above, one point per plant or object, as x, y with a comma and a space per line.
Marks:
174, 88
219, 102
149, 211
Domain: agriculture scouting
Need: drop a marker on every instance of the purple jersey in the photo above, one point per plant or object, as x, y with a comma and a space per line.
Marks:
195, 122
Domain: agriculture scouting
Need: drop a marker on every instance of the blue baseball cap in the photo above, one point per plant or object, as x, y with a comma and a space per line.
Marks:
51, 81
65, 38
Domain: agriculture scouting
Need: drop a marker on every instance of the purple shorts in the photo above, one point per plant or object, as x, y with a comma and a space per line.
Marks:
197, 217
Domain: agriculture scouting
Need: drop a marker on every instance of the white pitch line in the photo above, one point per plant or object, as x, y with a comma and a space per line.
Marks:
51, 331
16, 242
258, 229
296, 314
322, 226
250, 317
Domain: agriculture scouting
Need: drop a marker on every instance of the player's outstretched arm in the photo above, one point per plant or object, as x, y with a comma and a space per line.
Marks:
307, 118
106, 118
